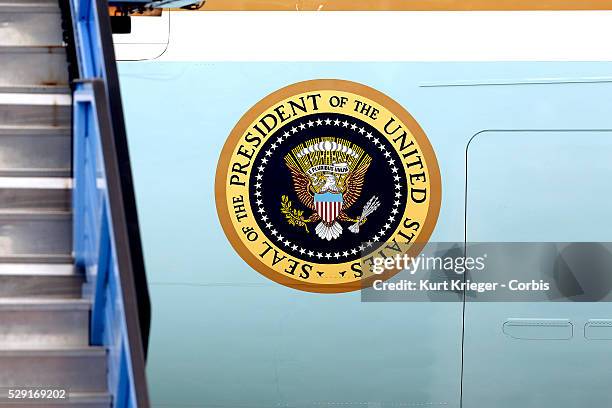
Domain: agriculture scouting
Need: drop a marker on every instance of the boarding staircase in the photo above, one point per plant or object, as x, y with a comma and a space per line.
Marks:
69, 316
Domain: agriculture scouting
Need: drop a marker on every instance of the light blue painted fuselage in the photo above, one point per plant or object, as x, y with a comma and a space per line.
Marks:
538, 168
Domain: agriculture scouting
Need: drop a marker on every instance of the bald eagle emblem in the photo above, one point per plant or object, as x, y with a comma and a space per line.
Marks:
328, 176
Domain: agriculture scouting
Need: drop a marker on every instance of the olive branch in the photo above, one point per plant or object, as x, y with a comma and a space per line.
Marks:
293, 215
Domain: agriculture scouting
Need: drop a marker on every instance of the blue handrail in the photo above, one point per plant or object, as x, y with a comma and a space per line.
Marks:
106, 236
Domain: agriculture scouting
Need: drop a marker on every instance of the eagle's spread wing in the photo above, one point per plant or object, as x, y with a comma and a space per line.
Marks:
354, 185
302, 185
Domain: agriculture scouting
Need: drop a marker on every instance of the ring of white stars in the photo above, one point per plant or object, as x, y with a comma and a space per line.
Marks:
316, 255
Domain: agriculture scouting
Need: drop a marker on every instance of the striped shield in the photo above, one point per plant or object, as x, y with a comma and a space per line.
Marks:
328, 205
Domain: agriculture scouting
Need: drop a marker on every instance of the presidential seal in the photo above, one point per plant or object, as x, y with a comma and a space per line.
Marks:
322, 176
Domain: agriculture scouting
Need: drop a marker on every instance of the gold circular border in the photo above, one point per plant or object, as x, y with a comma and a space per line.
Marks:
243, 124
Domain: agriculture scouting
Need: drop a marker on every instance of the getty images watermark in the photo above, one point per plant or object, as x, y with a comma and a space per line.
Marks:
457, 265
503, 272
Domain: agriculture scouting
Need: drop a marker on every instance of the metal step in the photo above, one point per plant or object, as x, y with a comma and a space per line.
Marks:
26, 25
35, 109
35, 152
40, 281
77, 369
37, 233
35, 193
40, 89
75, 400
32, 66
29, 323
33, 258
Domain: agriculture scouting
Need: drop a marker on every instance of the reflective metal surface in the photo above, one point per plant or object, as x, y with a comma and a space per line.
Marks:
43, 324
38, 233
36, 285
79, 369
35, 152
28, 25
37, 66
